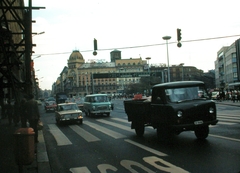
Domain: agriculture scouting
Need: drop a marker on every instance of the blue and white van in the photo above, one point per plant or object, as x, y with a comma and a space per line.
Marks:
97, 104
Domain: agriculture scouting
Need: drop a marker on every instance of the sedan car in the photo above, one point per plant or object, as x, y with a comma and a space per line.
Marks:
68, 112
50, 106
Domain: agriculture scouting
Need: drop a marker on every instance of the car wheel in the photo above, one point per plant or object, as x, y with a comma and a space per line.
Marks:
139, 129
90, 114
202, 132
57, 121
108, 114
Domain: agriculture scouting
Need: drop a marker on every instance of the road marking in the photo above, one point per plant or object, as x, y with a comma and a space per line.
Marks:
116, 125
230, 117
146, 148
84, 134
60, 138
105, 130
225, 123
83, 169
222, 137
226, 119
121, 120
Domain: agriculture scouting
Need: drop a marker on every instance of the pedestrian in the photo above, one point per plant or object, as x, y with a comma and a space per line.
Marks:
9, 112
33, 115
22, 112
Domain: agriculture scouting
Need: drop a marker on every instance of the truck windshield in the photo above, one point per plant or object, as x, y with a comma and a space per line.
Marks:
183, 94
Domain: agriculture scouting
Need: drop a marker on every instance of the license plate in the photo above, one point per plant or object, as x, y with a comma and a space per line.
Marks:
198, 122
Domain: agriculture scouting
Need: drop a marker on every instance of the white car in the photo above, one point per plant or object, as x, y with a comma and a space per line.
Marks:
68, 112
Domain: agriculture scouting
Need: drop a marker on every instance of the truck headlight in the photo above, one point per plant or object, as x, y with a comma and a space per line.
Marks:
94, 108
211, 110
179, 114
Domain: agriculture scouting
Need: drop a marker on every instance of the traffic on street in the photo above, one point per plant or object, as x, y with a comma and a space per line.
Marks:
108, 144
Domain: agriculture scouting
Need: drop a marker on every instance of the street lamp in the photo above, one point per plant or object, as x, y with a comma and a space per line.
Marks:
148, 58
121, 69
39, 33
36, 57
167, 38
182, 64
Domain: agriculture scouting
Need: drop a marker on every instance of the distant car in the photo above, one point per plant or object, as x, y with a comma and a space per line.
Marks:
215, 95
39, 102
97, 104
50, 106
79, 102
68, 112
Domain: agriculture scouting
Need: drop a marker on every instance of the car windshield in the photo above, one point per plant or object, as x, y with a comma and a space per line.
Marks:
68, 107
183, 94
99, 99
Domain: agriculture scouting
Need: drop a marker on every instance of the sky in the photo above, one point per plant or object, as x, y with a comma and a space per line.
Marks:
135, 27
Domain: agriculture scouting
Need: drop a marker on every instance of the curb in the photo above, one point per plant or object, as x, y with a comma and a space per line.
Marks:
42, 156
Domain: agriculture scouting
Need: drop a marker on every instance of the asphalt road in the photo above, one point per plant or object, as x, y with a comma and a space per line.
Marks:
107, 144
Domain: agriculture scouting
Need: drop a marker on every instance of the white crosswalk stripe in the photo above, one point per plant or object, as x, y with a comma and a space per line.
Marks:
122, 124
105, 130
84, 134
60, 138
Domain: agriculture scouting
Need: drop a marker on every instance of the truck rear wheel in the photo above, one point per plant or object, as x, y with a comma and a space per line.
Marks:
139, 129
202, 132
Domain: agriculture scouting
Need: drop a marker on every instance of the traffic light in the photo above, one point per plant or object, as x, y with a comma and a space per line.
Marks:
179, 35
95, 44
95, 47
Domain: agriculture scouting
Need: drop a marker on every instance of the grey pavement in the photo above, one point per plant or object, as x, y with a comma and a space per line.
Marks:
8, 162
41, 162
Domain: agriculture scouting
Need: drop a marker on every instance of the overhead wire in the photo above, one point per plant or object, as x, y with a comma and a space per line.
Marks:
150, 45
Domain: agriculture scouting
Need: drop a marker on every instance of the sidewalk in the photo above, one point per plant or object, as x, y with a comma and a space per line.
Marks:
7, 157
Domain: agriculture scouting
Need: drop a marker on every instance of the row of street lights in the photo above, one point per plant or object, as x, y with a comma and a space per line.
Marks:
168, 68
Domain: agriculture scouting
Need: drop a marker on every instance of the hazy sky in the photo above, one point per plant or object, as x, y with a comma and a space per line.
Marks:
117, 24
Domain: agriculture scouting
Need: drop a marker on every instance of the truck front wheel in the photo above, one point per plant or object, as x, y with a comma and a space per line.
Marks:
202, 132
139, 129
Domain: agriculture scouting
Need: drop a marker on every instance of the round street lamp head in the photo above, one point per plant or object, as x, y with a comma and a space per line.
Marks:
166, 37
148, 58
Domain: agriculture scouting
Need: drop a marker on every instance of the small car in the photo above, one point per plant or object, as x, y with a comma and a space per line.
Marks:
68, 112
50, 106
97, 104
39, 102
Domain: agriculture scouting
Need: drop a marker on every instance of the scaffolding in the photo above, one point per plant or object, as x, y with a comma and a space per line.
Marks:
16, 69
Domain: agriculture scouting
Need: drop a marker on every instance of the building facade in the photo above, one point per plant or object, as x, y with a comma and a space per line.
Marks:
80, 78
227, 67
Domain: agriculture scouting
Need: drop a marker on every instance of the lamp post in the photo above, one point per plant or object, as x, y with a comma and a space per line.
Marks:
148, 58
167, 38
121, 69
182, 64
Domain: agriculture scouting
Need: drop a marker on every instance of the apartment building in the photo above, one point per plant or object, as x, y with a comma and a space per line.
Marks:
227, 74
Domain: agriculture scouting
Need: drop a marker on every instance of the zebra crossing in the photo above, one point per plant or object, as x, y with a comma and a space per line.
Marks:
225, 119
101, 126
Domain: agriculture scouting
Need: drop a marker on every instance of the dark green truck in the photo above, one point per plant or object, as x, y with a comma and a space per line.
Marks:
174, 107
